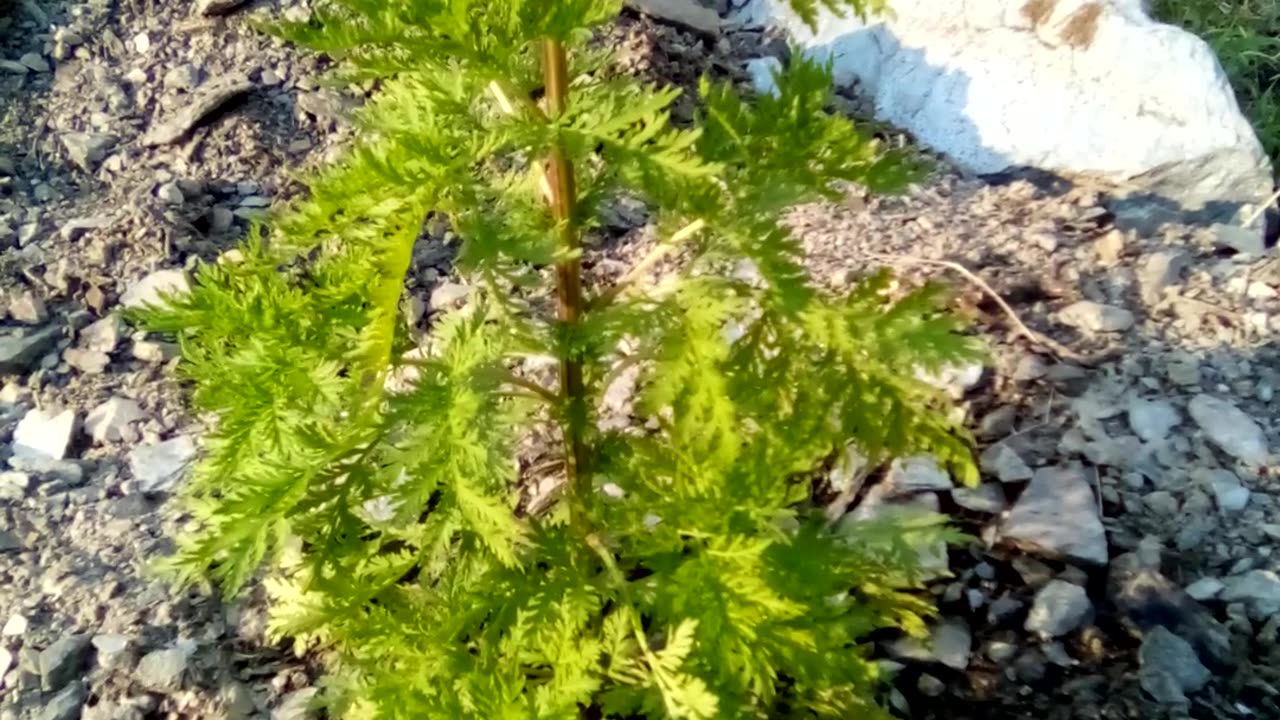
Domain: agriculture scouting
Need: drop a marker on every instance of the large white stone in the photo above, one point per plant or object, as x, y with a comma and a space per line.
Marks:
1082, 88
44, 435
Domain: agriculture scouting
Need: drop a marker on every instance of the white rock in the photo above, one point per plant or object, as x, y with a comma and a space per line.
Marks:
158, 467
1259, 588
15, 626
1228, 427
1087, 89
916, 474
1206, 588
142, 43
109, 422
1228, 492
761, 72
28, 308
1059, 608
103, 335
1005, 463
44, 434
447, 295
1058, 514
1152, 420
6, 661
1096, 317
148, 289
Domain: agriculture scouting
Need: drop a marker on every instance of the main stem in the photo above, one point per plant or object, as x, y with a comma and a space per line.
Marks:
569, 303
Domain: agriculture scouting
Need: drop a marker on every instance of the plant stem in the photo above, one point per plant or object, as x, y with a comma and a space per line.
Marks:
569, 303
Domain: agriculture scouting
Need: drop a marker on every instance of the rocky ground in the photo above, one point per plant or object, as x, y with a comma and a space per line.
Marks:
1124, 535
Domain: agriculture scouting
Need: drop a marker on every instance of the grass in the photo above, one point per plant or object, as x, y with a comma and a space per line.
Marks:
1245, 34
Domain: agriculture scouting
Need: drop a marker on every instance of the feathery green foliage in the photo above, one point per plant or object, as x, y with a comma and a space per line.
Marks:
682, 571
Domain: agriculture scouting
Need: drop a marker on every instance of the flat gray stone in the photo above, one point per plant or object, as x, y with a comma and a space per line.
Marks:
682, 13
1228, 492
1229, 428
158, 467
1152, 420
162, 671
952, 642
66, 705
86, 150
986, 498
1169, 667
63, 661
1004, 463
1096, 317
1259, 588
921, 473
19, 352
1059, 608
1057, 514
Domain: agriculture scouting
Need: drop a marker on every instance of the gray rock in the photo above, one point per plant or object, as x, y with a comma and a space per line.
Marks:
1059, 608
162, 671
1152, 420
448, 295
921, 473
35, 62
1259, 588
158, 467
1169, 667
985, 498
44, 434
1096, 317
1228, 427
688, 15
13, 485
147, 290
1228, 492
1159, 271
20, 351
1058, 514
171, 193
1030, 367
297, 705
6, 661
28, 308
930, 686
1004, 463
1243, 240
110, 421
111, 649
90, 362
221, 219
184, 77
62, 661
1001, 652
66, 705
952, 642
1206, 588
210, 97
1002, 610
87, 150
103, 335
